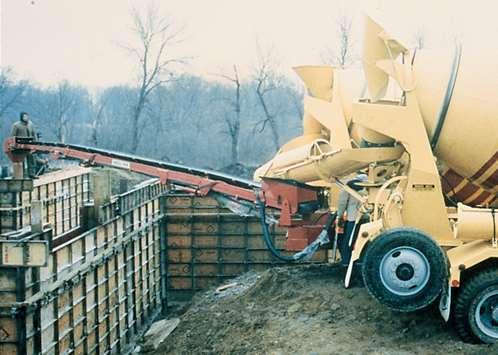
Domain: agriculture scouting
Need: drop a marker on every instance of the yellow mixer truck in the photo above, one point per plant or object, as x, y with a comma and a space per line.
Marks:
431, 157
427, 230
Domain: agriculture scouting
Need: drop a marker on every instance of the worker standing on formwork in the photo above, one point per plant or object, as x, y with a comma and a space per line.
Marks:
25, 129
348, 217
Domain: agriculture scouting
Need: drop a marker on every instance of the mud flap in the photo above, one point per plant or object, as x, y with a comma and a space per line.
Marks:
445, 302
371, 229
347, 279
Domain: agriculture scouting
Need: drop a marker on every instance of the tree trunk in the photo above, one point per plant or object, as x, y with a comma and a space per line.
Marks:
94, 137
275, 135
135, 134
235, 145
236, 125
271, 121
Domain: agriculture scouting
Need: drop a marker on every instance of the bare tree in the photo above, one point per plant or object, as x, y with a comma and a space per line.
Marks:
267, 80
97, 110
157, 37
178, 108
63, 102
10, 91
232, 119
343, 54
296, 101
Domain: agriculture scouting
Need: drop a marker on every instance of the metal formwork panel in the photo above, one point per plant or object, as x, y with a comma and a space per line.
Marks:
61, 200
98, 290
118, 294
207, 244
101, 288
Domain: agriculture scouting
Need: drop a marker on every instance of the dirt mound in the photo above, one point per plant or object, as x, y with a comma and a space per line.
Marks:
306, 310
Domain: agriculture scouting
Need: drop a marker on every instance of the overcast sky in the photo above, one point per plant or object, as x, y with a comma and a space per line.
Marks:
50, 40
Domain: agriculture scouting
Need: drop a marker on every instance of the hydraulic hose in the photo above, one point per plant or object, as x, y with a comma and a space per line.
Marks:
307, 252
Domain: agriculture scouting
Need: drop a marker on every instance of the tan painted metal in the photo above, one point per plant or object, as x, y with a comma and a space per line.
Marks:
393, 140
468, 255
469, 137
476, 223
319, 161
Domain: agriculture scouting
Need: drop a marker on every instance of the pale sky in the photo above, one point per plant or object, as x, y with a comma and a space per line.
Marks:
50, 40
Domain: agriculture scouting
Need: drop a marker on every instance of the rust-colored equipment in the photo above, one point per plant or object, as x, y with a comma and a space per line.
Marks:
288, 202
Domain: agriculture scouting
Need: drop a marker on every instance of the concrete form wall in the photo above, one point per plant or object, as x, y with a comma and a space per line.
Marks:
112, 267
207, 245
62, 194
100, 287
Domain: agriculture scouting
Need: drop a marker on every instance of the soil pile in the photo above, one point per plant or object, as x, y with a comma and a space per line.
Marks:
306, 310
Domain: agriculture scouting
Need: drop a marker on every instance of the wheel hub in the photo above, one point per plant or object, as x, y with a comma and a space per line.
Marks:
404, 271
494, 313
486, 314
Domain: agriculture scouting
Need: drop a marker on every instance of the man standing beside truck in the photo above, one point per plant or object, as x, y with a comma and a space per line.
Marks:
348, 217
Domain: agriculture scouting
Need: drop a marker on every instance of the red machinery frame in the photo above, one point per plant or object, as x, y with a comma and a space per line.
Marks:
283, 195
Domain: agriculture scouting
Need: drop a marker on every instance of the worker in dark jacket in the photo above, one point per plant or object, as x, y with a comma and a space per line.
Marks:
25, 129
347, 215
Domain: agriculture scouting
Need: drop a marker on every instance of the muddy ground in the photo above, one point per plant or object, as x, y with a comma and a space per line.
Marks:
306, 310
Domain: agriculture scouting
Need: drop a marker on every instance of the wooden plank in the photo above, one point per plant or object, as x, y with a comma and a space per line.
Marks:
179, 269
179, 256
31, 345
232, 241
232, 256
205, 242
8, 349
179, 228
179, 241
23, 254
15, 185
205, 270
206, 282
8, 330
180, 283
66, 173
233, 269
8, 279
206, 255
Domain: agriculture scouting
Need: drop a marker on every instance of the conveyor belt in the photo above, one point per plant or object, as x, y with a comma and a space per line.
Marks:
292, 198
237, 193
232, 180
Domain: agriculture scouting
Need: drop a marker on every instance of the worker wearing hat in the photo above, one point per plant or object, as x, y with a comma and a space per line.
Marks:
25, 129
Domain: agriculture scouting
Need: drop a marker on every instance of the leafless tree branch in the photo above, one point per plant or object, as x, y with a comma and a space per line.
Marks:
267, 79
233, 120
343, 53
10, 92
157, 36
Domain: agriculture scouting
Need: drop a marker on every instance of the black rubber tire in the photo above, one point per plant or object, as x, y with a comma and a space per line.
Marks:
467, 300
405, 237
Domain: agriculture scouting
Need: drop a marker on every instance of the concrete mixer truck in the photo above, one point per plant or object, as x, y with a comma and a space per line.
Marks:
427, 227
431, 158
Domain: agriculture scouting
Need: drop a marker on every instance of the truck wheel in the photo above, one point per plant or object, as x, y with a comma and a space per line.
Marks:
476, 308
404, 269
